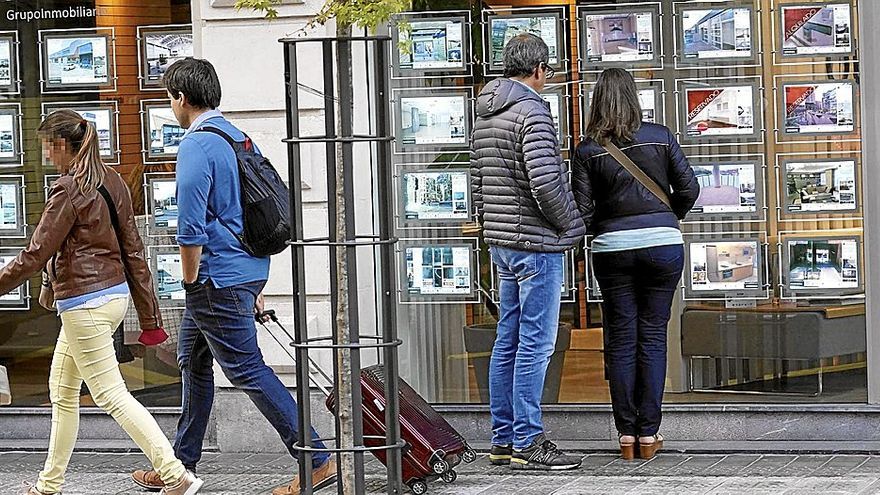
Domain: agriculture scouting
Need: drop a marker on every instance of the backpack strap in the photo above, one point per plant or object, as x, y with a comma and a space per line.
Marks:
248, 146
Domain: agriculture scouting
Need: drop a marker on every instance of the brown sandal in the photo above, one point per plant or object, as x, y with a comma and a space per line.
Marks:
649, 450
628, 449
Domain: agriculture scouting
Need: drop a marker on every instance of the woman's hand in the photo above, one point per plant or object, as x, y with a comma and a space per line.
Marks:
47, 298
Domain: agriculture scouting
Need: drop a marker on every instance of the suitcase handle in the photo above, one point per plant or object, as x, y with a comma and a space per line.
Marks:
270, 314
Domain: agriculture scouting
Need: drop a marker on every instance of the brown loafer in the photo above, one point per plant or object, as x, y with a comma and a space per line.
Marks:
322, 477
149, 480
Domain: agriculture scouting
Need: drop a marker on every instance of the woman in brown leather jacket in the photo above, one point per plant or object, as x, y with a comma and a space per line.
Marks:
93, 268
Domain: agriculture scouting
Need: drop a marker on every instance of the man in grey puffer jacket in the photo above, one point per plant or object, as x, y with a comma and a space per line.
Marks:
530, 218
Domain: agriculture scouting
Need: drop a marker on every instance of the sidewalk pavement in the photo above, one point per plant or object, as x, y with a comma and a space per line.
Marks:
669, 473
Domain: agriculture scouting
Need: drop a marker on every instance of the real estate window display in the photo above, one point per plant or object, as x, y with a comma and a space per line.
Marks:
90, 65
772, 167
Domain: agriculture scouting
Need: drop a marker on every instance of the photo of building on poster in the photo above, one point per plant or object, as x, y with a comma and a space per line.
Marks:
720, 111
15, 295
724, 266
620, 37
9, 201
823, 264
76, 61
503, 29
433, 120
5, 62
7, 135
169, 274
555, 101
101, 118
438, 270
164, 131
164, 203
436, 195
816, 29
725, 188
717, 33
819, 108
647, 102
820, 186
432, 45
163, 49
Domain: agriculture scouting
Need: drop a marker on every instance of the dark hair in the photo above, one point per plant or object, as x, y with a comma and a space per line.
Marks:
196, 79
523, 54
615, 113
86, 167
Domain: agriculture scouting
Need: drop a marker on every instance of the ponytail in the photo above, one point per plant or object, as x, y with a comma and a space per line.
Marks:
87, 168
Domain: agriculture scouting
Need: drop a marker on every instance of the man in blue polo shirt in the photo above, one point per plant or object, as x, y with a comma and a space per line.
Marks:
223, 282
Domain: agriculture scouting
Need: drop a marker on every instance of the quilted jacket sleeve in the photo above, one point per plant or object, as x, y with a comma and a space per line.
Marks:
476, 183
543, 165
583, 188
685, 188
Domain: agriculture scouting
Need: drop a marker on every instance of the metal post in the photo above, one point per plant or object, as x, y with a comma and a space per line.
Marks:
387, 263
298, 274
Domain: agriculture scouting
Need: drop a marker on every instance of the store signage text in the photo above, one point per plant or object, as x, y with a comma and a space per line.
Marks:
36, 15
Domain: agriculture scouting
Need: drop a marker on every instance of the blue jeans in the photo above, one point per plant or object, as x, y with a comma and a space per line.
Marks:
638, 287
219, 324
530, 292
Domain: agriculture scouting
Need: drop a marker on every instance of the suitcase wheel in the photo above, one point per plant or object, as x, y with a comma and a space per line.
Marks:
469, 456
440, 466
450, 477
419, 487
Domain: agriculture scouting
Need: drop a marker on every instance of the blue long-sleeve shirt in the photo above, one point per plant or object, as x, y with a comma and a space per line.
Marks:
208, 187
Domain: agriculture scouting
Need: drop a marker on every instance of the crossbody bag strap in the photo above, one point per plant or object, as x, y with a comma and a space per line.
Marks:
114, 219
636, 172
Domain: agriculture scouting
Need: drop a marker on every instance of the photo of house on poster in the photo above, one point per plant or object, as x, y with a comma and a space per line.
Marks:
720, 111
438, 270
5, 62
7, 136
15, 295
647, 101
725, 188
724, 266
823, 264
165, 203
620, 37
555, 101
436, 120
76, 61
9, 197
503, 29
819, 108
816, 29
164, 131
169, 273
717, 34
816, 186
431, 45
163, 49
436, 195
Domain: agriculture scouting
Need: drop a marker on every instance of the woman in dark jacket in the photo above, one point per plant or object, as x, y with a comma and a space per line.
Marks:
638, 250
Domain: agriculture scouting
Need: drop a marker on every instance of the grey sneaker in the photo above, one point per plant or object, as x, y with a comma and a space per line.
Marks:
189, 484
543, 455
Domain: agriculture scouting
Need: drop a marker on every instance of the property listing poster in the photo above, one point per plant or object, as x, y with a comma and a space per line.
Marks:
439, 270
819, 108
817, 186
720, 111
724, 266
620, 37
432, 45
433, 120
436, 195
717, 33
725, 188
823, 264
816, 29
503, 29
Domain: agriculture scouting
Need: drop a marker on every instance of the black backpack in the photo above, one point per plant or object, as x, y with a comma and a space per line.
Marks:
265, 200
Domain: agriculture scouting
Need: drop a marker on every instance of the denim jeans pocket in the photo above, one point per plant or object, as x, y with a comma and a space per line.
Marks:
242, 300
669, 257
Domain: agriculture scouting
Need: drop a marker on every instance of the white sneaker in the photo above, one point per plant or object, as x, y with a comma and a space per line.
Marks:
189, 484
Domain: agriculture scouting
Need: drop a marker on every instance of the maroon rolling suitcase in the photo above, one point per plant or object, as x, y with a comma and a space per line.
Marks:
433, 447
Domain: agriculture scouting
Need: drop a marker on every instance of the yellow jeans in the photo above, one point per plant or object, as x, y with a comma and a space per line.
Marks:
85, 352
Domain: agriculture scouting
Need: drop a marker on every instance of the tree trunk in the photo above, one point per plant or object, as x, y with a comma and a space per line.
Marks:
343, 356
